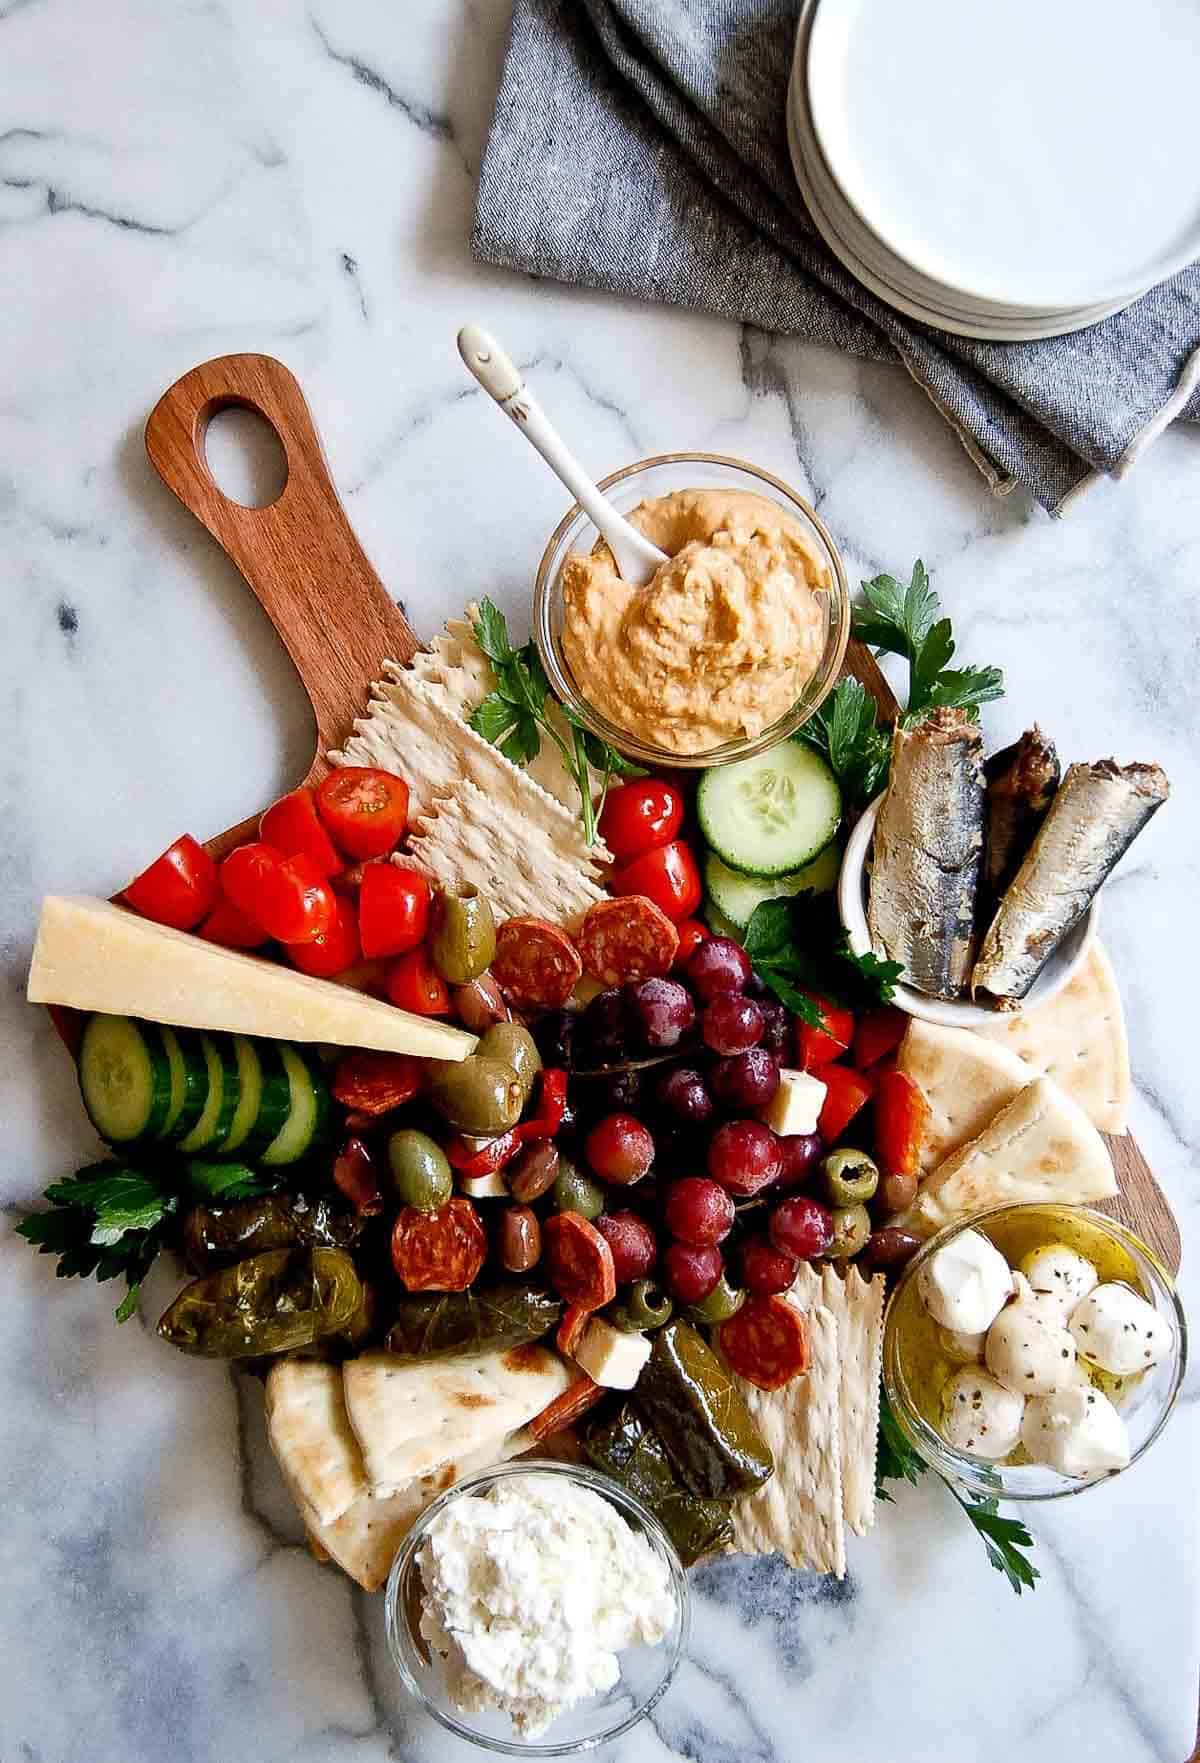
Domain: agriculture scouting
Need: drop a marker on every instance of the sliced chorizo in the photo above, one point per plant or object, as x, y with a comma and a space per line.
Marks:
627, 939
536, 963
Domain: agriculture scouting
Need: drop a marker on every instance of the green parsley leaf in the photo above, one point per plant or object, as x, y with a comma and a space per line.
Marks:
879, 977
846, 732
67, 1234
927, 662
129, 1303
904, 621
897, 619
495, 718
769, 932
895, 1459
491, 633
965, 688
1004, 1539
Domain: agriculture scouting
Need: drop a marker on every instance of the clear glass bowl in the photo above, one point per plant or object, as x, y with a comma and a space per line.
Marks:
646, 1672
658, 477
1147, 1404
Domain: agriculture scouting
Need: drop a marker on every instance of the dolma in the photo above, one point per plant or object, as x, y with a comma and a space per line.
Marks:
689, 1399
626, 1447
269, 1303
488, 1319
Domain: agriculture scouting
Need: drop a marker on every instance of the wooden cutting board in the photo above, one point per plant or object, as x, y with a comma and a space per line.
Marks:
339, 624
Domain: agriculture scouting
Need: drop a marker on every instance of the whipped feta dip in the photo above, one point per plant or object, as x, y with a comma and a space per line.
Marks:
532, 1588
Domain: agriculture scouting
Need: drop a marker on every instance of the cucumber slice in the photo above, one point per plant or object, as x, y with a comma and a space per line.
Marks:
308, 1113
718, 924
189, 1080
250, 1079
125, 1078
736, 896
771, 814
274, 1103
224, 1092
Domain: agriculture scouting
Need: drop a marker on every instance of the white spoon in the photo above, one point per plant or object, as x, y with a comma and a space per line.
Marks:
636, 558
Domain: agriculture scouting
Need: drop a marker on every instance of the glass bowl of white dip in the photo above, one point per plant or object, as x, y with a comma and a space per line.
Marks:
646, 481
644, 1671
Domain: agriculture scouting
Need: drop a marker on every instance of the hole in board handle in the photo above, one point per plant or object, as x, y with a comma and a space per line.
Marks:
245, 455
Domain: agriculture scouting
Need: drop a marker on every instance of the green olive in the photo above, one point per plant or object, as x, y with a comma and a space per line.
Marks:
513, 1045
851, 1229
721, 1303
421, 1175
850, 1178
477, 1095
648, 1305
464, 936
576, 1192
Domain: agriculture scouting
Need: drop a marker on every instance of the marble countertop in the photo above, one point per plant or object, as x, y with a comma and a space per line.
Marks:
182, 180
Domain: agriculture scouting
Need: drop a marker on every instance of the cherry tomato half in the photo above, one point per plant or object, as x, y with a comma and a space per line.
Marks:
292, 826
230, 928
365, 811
640, 816
287, 896
179, 887
691, 934
334, 950
414, 983
667, 875
393, 909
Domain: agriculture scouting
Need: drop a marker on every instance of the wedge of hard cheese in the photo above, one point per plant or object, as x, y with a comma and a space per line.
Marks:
92, 955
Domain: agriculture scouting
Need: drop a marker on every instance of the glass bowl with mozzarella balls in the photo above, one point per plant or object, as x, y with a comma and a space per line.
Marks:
1033, 1351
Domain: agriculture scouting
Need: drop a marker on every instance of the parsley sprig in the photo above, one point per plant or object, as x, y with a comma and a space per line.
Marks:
896, 619
1003, 1538
112, 1220
514, 717
797, 947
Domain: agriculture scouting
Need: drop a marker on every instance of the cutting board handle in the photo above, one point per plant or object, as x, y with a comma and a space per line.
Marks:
299, 553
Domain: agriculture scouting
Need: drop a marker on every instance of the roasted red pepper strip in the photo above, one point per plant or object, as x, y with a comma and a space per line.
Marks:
565, 1409
494, 1155
570, 1330
901, 1114
845, 1093
546, 1123
552, 1108
819, 1046
878, 1033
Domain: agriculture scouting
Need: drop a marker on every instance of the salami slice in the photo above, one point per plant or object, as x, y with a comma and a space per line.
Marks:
440, 1251
579, 1261
627, 939
570, 1330
766, 1342
536, 963
375, 1083
564, 1410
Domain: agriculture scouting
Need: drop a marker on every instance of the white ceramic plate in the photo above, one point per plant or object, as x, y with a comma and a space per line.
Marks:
1041, 157
950, 1013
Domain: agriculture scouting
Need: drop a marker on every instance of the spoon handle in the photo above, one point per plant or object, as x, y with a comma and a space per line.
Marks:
637, 558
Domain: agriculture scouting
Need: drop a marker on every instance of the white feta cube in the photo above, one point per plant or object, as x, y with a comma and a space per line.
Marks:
796, 1105
610, 1356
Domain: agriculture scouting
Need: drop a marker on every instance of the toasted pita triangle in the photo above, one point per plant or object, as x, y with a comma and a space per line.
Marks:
965, 1080
312, 1439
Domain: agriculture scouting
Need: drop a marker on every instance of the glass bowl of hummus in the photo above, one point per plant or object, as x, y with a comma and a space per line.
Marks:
1033, 1351
735, 641
537, 1609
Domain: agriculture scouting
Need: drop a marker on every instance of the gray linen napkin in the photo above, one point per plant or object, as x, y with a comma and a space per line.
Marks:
639, 146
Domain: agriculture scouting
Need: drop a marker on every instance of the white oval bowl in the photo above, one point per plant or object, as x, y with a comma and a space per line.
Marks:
950, 1012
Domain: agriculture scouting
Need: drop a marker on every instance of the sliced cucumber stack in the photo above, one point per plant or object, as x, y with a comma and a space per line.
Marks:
308, 1114
126, 1077
735, 895
772, 814
189, 1080
224, 1092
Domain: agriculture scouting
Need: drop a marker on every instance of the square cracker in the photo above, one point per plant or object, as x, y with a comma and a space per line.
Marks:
857, 1305
798, 1512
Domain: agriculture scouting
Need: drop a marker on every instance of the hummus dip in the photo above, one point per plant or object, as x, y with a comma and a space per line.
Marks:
721, 641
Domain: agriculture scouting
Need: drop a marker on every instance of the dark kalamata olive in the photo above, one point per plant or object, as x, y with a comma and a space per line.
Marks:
520, 1239
354, 1176
896, 1193
602, 1032
555, 1036
480, 1004
889, 1248
534, 1171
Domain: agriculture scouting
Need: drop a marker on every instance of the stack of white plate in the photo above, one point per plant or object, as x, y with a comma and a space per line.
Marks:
1004, 172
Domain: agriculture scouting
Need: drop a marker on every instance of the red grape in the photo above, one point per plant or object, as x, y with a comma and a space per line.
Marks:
719, 965
801, 1228
661, 1012
800, 1153
746, 1080
732, 1024
776, 1026
690, 1274
743, 1156
633, 1244
683, 1095
620, 1149
603, 1027
699, 1211
766, 1269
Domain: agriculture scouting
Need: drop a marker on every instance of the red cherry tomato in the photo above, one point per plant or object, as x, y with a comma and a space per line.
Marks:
846, 1091
691, 934
414, 983
292, 826
365, 811
334, 950
179, 887
393, 909
820, 1046
667, 875
288, 896
640, 816
230, 928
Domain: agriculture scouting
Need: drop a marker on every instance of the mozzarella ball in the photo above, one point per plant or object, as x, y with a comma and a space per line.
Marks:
1060, 1273
980, 1417
1076, 1431
1026, 1352
1115, 1328
965, 1284
963, 1348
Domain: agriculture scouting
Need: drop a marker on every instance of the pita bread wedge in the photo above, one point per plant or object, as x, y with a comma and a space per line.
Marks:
312, 1439
965, 1079
1079, 1040
798, 1512
1041, 1147
411, 1419
857, 1306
